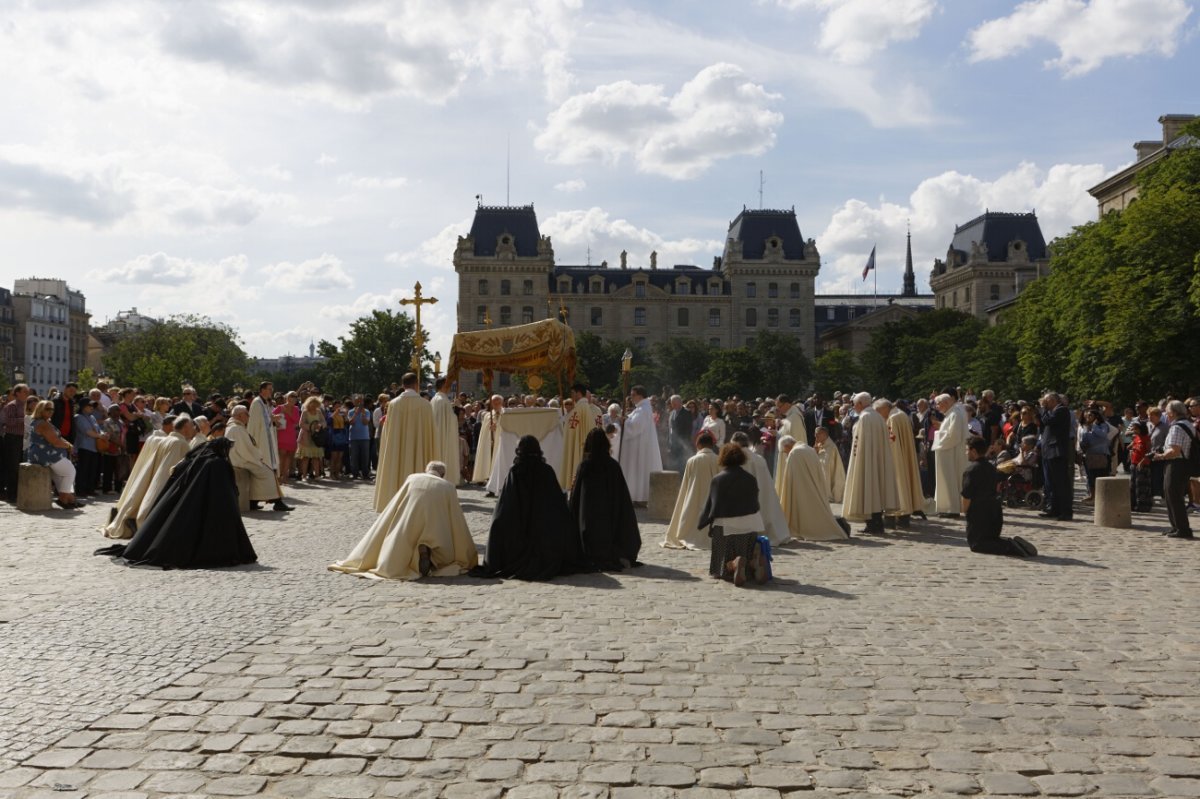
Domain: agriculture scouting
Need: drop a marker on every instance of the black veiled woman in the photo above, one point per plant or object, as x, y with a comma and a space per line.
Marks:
602, 510
533, 536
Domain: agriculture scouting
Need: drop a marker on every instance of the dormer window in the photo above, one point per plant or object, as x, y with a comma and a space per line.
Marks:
682, 287
639, 289
774, 244
506, 239
564, 285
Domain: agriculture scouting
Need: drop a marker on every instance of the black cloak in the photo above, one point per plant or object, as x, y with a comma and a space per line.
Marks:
195, 523
532, 536
602, 510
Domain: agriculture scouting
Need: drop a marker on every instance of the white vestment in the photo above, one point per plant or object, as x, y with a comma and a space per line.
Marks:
246, 454
793, 425
870, 478
261, 425
904, 458
698, 472
581, 421
544, 424
146, 481
950, 444
775, 526
406, 446
805, 498
639, 451
835, 471
445, 436
485, 451
425, 511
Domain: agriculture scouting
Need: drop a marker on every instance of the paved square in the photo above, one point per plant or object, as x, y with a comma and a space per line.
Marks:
899, 665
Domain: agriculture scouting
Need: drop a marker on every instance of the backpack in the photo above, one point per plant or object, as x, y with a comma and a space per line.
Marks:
1193, 456
764, 544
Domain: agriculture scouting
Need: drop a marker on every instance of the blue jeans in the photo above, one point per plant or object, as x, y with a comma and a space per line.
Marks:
360, 458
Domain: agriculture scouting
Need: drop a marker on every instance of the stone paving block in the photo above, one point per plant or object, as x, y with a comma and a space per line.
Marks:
1010, 784
246, 785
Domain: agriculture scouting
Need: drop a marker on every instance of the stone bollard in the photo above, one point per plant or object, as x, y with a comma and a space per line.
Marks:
33, 488
664, 488
242, 477
1112, 502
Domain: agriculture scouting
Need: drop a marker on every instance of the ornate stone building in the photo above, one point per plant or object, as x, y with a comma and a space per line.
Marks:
1119, 190
989, 262
51, 331
764, 281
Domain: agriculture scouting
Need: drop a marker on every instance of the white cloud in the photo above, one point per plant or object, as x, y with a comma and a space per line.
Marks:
436, 251
59, 192
571, 186
168, 270
573, 233
439, 321
372, 181
325, 159
1058, 195
324, 273
854, 30
1086, 32
717, 114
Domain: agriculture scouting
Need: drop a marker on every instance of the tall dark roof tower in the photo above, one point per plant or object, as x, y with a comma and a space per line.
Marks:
910, 279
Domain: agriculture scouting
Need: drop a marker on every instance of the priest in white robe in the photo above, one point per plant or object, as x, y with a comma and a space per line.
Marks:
832, 463
640, 454
698, 473
791, 419
489, 439
950, 444
421, 533
908, 474
781, 457
805, 498
870, 477
160, 452
407, 442
582, 419
264, 426
445, 430
247, 454
776, 527
203, 427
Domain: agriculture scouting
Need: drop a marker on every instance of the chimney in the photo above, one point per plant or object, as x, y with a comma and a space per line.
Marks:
1145, 148
1172, 124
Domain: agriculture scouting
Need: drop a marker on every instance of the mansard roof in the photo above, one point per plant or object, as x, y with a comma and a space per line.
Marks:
661, 278
996, 229
753, 227
493, 221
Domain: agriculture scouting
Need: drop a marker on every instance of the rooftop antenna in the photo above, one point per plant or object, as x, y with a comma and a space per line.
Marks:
589, 260
507, 168
761, 182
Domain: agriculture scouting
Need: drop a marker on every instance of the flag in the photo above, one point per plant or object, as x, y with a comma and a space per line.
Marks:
870, 264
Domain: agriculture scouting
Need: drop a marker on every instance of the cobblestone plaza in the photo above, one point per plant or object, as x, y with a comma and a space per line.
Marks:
896, 665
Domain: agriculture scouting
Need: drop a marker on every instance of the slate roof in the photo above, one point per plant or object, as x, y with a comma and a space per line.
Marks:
997, 229
754, 226
661, 278
491, 221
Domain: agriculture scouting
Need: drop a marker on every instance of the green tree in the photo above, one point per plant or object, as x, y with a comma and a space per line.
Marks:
782, 365
911, 357
993, 363
681, 360
836, 370
189, 348
376, 352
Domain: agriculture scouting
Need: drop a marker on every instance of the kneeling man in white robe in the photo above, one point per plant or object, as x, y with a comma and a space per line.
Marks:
805, 498
698, 473
422, 532
159, 455
264, 487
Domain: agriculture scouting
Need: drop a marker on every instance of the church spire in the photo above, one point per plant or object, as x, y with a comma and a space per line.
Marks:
910, 279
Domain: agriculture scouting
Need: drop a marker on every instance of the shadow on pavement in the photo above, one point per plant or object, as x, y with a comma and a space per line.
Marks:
804, 589
1051, 560
653, 571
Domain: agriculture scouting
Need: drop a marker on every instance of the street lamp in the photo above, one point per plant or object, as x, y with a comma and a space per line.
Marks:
437, 366
18, 375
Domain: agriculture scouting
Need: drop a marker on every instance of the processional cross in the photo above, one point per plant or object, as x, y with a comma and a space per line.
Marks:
418, 337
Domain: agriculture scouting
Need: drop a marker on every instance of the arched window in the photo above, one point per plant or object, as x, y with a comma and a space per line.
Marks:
751, 317
681, 317
483, 288
505, 288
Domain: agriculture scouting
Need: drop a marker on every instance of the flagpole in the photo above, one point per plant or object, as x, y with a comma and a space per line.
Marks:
876, 271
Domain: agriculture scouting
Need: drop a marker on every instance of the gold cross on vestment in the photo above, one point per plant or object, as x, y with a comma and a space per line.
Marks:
418, 337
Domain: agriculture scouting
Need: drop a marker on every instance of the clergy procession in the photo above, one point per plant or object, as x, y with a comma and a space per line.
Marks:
745, 477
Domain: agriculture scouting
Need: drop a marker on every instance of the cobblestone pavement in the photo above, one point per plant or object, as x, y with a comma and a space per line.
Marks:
895, 665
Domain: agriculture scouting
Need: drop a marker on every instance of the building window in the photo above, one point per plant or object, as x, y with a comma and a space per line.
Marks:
681, 317
772, 317
527, 287
995, 291
564, 286
481, 315
751, 290
639, 290
751, 317
505, 288
714, 317
640, 342
505, 315
954, 297
483, 288
682, 287
794, 291
504, 380
794, 317
714, 287
639, 316
527, 314
597, 286
597, 317
967, 294
749, 341
772, 290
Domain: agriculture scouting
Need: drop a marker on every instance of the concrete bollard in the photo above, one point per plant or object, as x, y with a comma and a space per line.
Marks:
33, 488
664, 488
242, 477
1112, 502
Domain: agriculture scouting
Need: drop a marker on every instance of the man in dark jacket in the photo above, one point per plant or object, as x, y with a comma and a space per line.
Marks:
63, 416
1056, 458
188, 405
679, 435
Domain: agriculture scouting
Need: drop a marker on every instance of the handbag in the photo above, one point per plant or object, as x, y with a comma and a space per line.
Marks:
317, 434
1096, 460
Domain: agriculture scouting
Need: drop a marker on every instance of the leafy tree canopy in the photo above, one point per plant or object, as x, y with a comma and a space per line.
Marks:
375, 353
189, 348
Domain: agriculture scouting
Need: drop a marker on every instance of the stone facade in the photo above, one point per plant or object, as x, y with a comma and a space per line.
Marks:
763, 281
855, 335
989, 262
1117, 191
52, 355
8, 335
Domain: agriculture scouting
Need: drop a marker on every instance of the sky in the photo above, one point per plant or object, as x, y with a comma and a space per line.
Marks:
286, 166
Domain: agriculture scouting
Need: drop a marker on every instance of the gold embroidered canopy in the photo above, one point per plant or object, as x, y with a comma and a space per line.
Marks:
545, 346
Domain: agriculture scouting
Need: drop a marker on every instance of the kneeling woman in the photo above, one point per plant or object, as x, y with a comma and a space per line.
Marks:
732, 510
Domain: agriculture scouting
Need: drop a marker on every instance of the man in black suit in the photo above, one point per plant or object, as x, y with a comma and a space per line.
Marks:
188, 404
818, 415
679, 435
1056, 457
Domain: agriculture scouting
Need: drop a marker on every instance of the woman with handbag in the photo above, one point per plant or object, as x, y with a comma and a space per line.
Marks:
311, 447
1096, 444
111, 445
287, 434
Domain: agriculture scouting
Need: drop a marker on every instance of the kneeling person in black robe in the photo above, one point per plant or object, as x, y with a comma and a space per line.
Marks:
195, 522
602, 509
981, 506
533, 536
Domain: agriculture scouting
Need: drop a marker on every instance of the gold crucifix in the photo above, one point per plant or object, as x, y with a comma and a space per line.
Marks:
418, 337
487, 318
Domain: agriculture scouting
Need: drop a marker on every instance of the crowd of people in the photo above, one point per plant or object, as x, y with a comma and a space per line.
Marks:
755, 473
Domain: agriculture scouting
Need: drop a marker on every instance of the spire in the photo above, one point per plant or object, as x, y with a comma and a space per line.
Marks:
910, 279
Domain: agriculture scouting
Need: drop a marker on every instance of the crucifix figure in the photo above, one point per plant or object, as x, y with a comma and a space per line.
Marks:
418, 337
487, 318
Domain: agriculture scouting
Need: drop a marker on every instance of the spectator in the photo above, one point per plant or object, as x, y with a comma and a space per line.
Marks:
1181, 437
12, 430
188, 405
359, 420
1096, 444
1140, 498
714, 424
287, 434
64, 410
87, 464
47, 448
377, 413
112, 477
310, 447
